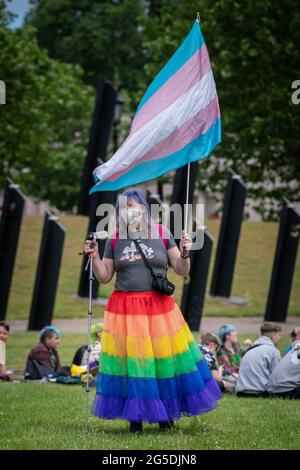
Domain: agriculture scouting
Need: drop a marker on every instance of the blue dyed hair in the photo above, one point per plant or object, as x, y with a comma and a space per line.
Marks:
224, 331
44, 332
138, 196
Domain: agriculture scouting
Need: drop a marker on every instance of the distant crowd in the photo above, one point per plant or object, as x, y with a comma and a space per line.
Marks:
254, 369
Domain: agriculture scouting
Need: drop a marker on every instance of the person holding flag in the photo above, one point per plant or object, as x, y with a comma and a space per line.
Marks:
151, 369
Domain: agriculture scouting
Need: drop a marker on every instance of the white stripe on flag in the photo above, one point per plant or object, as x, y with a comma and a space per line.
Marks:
159, 128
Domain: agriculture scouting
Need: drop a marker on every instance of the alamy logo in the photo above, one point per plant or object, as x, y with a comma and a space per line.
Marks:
110, 219
2, 92
296, 94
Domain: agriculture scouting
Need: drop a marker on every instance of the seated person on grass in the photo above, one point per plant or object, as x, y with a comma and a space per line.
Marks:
259, 362
229, 353
79, 363
208, 346
43, 359
284, 381
4, 331
295, 336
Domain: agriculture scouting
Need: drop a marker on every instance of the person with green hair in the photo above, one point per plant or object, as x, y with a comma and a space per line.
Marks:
96, 332
80, 360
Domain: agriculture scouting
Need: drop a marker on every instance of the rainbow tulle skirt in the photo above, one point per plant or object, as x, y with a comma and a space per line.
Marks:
150, 369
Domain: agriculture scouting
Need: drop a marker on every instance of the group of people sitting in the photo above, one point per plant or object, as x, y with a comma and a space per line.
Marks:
254, 369
43, 361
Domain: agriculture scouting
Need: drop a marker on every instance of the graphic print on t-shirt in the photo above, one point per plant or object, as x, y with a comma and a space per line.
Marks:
130, 252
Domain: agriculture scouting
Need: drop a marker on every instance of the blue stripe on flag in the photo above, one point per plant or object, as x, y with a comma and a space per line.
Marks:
190, 45
146, 171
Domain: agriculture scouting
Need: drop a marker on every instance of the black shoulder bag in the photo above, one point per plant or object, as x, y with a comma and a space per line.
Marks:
160, 282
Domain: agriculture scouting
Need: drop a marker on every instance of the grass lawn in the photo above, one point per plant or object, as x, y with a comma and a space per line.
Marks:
37, 416
251, 280
50, 416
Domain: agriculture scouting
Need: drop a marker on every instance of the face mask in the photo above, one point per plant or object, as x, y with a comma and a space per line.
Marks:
134, 215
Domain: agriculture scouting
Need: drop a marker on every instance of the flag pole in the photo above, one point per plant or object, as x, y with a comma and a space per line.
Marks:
187, 197
198, 19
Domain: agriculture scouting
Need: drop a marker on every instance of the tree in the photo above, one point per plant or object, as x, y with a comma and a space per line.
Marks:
45, 121
5, 16
253, 47
103, 37
253, 50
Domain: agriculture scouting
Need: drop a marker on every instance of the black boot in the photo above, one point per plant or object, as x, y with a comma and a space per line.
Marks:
135, 426
166, 425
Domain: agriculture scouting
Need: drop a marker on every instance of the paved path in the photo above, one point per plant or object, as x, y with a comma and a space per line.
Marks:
209, 324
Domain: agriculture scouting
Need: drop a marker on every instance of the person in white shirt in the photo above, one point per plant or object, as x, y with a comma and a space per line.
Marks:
4, 331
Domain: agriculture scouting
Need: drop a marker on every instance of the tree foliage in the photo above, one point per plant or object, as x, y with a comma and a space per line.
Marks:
101, 36
254, 51
45, 121
253, 46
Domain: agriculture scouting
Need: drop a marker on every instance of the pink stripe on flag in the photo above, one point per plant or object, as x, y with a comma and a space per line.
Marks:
182, 81
191, 129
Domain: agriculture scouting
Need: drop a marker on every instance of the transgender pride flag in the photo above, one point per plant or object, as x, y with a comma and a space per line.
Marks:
178, 121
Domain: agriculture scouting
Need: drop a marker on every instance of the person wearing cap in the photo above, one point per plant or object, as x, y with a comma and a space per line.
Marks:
229, 353
44, 359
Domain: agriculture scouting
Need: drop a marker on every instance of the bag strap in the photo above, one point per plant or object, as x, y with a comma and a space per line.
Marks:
162, 234
114, 240
140, 250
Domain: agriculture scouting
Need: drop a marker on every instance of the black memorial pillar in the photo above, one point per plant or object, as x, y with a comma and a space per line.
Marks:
284, 264
194, 289
229, 234
47, 274
107, 113
10, 225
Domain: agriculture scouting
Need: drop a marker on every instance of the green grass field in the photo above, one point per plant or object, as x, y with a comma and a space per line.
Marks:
50, 416
36, 416
251, 280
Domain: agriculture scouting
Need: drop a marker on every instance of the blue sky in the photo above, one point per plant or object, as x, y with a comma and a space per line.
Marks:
19, 7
